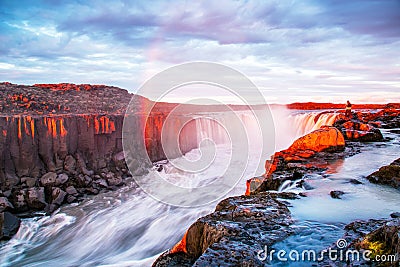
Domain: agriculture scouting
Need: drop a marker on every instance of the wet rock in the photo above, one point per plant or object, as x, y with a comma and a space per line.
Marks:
235, 228
58, 196
71, 190
387, 175
357, 131
9, 225
35, 197
380, 237
49, 179
355, 181
70, 164
5, 205
61, 179
337, 194
395, 215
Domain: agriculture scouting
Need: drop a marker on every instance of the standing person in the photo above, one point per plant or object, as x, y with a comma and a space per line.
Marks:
348, 109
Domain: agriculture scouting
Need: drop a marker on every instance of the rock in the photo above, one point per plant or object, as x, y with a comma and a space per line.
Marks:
91, 191
355, 181
337, 194
387, 175
81, 164
35, 198
5, 205
113, 179
325, 139
49, 179
357, 131
395, 215
61, 179
380, 237
70, 164
232, 234
18, 200
71, 199
9, 225
58, 196
101, 182
71, 190
31, 182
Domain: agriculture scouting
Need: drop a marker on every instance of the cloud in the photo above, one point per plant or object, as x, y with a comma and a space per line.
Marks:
298, 48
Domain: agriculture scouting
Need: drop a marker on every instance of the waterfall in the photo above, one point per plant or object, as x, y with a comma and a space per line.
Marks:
308, 122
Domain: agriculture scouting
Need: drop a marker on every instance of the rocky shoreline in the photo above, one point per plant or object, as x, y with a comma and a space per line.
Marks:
235, 231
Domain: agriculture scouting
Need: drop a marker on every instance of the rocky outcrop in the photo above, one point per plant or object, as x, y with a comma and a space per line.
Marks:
388, 118
308, 153
325, 139
233, 234
357, 131
387, 175
9, 225
377, 237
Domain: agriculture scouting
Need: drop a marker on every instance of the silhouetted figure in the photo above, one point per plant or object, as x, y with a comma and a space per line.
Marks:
348, 109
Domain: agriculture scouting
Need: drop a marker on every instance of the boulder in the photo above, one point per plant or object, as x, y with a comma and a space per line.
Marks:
336, 194
58, 196
49, 179
35, 197
115, 180
5, 205
18, 199
387, 175
326, 139
101, 183
31, 182
395, 215
61, 179
70, 190
9, 225
357, 131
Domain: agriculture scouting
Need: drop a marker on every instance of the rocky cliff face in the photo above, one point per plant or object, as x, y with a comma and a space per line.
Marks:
59, 142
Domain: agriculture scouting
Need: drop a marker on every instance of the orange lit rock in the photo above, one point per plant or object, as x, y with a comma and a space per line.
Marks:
180, 246
63, 131
357, 131
327, 138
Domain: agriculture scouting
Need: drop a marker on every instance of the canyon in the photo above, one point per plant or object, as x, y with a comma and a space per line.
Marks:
63, 143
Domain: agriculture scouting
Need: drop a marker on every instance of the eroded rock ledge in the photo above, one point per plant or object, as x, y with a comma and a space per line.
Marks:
234, 233
387, 175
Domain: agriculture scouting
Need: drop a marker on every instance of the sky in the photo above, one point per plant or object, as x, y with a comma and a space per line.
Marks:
306, 50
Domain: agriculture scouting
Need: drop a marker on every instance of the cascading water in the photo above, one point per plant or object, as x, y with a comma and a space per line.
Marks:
129, 228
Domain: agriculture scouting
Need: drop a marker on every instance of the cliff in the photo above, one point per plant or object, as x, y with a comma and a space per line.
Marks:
60, 142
